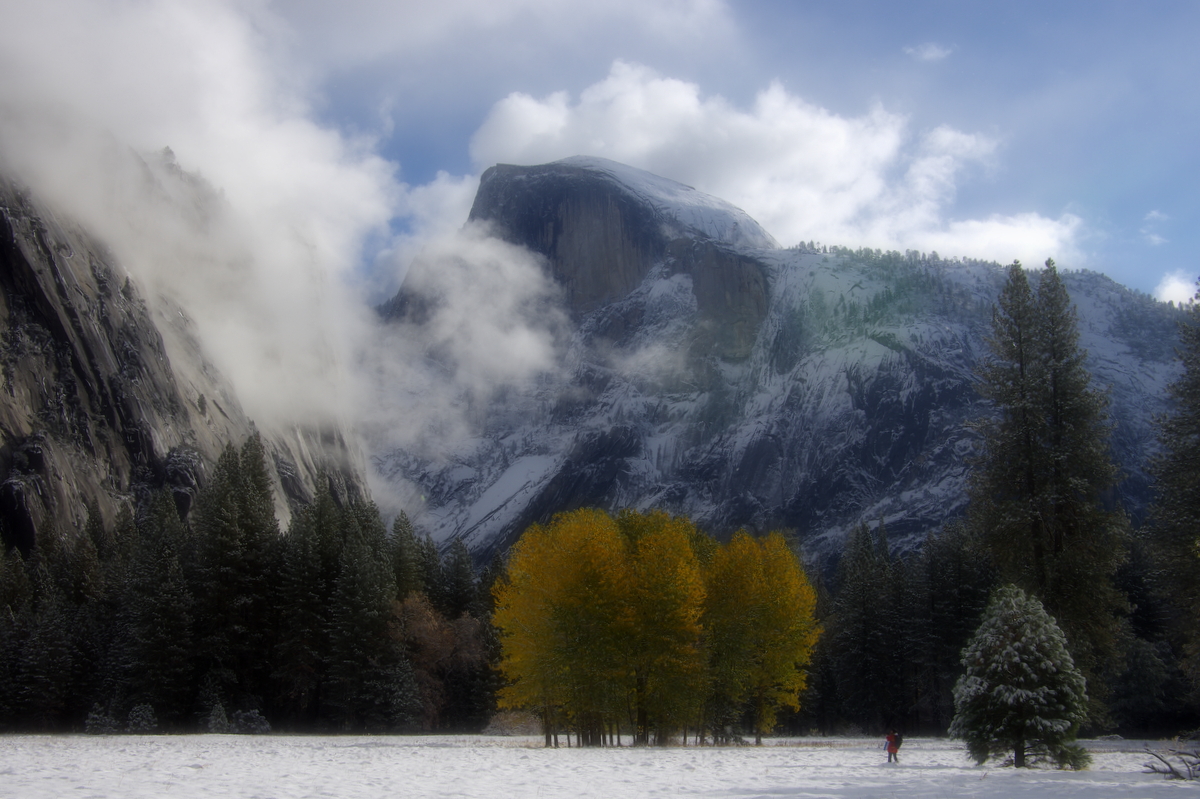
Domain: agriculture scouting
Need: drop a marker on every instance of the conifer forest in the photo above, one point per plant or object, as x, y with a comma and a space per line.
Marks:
635, 626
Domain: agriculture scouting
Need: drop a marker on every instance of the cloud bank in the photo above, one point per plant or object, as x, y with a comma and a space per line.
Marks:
1178, 287
800, 170
254, 220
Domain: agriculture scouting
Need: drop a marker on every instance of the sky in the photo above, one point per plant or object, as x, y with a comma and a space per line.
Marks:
995, 130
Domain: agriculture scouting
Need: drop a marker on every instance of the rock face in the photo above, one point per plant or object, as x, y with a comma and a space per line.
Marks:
93, 406
603, 227
713, 374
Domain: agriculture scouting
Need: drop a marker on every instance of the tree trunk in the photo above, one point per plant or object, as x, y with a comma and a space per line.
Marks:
643, 727
1019, 755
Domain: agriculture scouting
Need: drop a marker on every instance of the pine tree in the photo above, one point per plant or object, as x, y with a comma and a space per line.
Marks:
433, 576
1038, 495
1020, 692
302, 604
460, 589
1176, 511
371, 684
16, 609
223, 576
954, 579
41, 665
310, 564
406, 558
261, 549
157, 615
865, 634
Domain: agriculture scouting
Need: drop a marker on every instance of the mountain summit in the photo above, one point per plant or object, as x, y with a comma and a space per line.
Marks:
708, 372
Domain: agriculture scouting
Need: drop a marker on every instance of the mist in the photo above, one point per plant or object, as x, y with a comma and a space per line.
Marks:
177, 137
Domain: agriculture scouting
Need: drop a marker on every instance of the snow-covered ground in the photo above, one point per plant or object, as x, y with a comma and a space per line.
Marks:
279, 767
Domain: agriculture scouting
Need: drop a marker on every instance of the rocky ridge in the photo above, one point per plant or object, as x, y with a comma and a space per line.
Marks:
711, 373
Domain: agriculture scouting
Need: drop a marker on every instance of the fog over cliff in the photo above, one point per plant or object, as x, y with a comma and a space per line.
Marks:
200, 167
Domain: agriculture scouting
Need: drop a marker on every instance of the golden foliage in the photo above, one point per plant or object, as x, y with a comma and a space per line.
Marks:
644, 614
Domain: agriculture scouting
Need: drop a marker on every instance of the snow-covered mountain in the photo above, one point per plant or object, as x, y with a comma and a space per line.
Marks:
709, 372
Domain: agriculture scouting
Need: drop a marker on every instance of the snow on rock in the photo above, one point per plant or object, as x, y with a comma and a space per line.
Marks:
697, 212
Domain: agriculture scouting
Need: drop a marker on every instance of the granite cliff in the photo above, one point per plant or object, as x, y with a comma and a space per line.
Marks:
106, 396
709, 372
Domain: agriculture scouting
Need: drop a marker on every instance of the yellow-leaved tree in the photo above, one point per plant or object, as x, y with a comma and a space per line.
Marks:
666, 599
561, 611
639, 619
760, 628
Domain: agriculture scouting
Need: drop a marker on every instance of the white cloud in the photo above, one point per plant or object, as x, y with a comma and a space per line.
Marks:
433, 211
800, 170
1178, 287
928, 52
256, 225
257, 250
488, 318
1149, 231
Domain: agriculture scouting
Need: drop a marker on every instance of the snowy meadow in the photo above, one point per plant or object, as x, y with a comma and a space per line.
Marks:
281, 767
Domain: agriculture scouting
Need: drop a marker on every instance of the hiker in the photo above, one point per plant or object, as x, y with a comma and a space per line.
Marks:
894, 739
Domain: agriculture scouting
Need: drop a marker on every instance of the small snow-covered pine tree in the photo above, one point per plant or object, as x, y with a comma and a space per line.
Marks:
1021, 692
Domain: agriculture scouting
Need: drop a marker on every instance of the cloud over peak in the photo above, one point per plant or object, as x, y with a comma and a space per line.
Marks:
800, 170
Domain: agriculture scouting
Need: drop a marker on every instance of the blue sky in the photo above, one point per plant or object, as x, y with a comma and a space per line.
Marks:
1090, 108
996, 130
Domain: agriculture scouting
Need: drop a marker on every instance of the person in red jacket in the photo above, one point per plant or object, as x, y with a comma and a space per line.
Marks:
893, 746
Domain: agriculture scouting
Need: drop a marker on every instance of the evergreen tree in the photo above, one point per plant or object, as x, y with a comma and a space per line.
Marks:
1020, 691
371, 684
460, 589
310, 564
406, 558
236, 534
261, 548
865, 633
1176, 511
954, 579
40, 668
302, 606
469, 677
157, 611
16, 612
1038, 493
433, 577
223, 577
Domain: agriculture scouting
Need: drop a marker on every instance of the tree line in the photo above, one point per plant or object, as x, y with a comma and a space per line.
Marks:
222, 623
